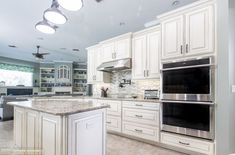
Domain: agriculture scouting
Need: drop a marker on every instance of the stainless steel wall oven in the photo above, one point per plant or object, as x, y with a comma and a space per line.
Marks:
188, 80
188, 97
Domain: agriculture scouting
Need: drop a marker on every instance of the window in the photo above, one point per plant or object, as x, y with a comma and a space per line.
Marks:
14, 75
13, 78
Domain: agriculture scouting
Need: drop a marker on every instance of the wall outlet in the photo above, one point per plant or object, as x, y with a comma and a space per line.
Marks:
233, 88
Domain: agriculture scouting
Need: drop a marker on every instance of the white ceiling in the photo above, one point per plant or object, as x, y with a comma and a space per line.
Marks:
93, 23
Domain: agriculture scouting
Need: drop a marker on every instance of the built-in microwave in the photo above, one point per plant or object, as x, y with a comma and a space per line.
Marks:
191, 80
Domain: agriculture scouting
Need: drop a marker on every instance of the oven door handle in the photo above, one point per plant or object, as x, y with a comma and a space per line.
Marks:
188, 67
189, 102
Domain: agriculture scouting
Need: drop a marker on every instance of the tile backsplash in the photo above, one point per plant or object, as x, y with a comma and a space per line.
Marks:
136, 87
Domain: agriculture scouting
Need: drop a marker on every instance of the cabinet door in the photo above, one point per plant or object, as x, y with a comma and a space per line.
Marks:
86, 135
51, 134
172, 37
122, 49
90, 66
139, 57
32, 129
98, 60
153, 52
108, 52
19, 127
200, 31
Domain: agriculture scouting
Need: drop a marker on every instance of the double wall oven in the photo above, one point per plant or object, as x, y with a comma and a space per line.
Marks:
188, 97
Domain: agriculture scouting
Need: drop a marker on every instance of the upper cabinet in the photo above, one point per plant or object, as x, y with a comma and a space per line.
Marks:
188, 31
146, 47
94, 59
116, 48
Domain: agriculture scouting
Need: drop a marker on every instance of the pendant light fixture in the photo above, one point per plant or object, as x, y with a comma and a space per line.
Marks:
45, 27
54, 15
71, 5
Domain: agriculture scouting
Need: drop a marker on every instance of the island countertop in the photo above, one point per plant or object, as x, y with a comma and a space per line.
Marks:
59, 107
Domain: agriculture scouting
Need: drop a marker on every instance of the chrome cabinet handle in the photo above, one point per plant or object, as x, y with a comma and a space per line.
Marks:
181, 49
187, 48
139, 105
139, 116
115, 55
183, 143
137, 130
147, 73
144, 73
108, 122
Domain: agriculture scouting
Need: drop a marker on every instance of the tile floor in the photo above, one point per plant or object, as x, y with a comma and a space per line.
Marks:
116, 145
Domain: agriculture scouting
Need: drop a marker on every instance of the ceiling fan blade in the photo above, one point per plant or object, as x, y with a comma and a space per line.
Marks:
44, 53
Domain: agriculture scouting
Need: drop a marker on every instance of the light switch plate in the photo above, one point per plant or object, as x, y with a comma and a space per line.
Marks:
233, 88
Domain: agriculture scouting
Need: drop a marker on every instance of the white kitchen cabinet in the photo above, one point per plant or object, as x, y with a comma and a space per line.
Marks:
172, 37
146, 47
50, 131
188, 143
26, 128
188, 32
108, 50
86, 134
114, 123
123, 48
199, 31
116, 48
94, 59
32, 129
141, 119
19, 127
114, 115
141, 131
139, 57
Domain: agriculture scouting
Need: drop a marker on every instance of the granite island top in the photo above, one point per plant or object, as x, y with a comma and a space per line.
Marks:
59, 107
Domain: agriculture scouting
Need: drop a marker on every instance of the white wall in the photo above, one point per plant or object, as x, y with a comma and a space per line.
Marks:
232, 72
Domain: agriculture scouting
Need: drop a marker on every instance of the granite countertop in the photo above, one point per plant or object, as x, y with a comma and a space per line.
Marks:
128, 99
59, 107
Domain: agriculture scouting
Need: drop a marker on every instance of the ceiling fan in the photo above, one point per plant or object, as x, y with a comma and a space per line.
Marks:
39, 55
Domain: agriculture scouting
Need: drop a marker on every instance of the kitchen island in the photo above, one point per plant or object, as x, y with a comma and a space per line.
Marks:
60, 126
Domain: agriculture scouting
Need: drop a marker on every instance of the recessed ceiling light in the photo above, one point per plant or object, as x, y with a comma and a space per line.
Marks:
45, 27
71, 5
54, 15
12, 46
76, 50
175, 3
40, 38
122, 23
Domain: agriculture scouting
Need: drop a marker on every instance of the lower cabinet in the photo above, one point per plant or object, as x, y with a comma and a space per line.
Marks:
32, 129
76, 134
114, 123
141, 131
141, 119
19, 127
86, 134
191, 144
50, 131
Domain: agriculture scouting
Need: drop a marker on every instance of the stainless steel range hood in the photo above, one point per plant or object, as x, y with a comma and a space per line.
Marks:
116, 65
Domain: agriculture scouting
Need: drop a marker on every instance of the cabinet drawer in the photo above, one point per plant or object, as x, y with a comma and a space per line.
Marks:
115, 107
192, 144
141, 105
147, 117
141, 131
113, 123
